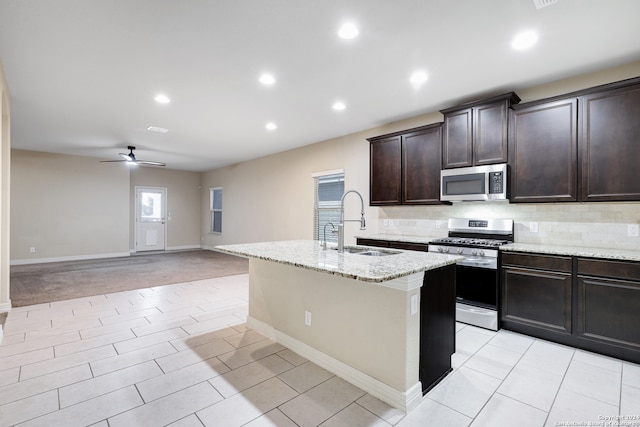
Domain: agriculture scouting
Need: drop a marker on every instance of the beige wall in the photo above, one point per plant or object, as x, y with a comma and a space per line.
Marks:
271, 198
183, 201
67, 207
5, 194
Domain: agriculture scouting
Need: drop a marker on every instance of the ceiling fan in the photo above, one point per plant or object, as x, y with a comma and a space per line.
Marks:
131, 158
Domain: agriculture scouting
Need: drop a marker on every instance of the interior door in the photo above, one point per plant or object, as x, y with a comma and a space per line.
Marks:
150, 221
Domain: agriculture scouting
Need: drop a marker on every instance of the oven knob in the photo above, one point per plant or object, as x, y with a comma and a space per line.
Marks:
474, 252
459, 250
481, 253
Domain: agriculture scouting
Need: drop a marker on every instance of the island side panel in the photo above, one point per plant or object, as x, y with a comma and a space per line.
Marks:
365, 325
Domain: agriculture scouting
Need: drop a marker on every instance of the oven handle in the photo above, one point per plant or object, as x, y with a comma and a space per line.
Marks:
491, 264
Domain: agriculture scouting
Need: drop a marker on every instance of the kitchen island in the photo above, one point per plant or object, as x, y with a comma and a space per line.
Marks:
362, 317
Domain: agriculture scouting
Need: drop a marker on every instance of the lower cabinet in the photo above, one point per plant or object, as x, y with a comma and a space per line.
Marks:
410, 246
536, 292
608, 302
588, 303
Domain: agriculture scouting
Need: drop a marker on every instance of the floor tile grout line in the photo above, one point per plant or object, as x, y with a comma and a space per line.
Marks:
564, 375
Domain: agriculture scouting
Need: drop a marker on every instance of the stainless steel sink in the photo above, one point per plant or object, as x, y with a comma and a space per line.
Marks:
369, 251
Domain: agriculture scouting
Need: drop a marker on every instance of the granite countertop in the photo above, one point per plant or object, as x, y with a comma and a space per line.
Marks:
588, 252
309, 254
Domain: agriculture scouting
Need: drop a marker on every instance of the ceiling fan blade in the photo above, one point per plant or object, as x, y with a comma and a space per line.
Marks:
112, 161
147, 162
127, 157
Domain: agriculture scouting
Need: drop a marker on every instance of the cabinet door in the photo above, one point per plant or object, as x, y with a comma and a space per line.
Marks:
543, 152
385, 172
421, 166
457, 144
608, 312
538, 299
610, 144
490, 133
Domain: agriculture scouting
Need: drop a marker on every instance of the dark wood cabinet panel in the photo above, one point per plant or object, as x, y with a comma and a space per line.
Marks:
385, 185
405, 167
437, 325
543, 262
477, 133
410, 246
543, 152
490, 133
421, 164
608, 311
457, 146
537, 298
610, 144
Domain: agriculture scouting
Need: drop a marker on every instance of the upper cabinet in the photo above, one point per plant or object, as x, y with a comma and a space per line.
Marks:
477, 133
543, 151
581, 147
405, 167
609, 134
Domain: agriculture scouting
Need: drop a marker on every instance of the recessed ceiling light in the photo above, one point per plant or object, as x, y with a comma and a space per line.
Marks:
267, 79
348, 31
418, 77
338, 106
271, 126
524, 40
162, 99
157, 129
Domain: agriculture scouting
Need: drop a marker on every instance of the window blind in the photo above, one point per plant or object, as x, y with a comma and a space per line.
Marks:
327, 195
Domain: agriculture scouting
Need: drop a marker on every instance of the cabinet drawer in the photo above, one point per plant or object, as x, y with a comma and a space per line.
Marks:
545, 262
373, 242
603, 268
409, 246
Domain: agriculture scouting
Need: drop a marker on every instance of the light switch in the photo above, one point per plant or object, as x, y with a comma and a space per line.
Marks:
533, 227
414, 304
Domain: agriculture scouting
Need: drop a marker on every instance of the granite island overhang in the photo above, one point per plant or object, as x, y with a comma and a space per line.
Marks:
357, 316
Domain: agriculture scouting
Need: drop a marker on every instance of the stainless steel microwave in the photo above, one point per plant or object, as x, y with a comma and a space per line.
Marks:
487, 182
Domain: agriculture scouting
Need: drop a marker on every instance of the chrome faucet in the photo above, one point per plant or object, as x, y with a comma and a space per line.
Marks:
324, 243
342, 220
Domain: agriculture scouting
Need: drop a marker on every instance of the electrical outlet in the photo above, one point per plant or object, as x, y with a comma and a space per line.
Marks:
533, 227
385, 222
632, 230
439, 223
307, 318
32, 250
414, 304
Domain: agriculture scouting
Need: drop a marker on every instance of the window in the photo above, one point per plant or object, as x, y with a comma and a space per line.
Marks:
215, 204
329, 189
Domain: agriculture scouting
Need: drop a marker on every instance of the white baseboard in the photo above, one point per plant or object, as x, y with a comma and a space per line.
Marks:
5, 307
403, 400
68, 258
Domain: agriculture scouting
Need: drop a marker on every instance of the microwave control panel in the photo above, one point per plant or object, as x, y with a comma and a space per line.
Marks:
496, 183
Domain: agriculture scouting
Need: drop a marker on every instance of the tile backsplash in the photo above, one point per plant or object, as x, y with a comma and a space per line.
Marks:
601, 225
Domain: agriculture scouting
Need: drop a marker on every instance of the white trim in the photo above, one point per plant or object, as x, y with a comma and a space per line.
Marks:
333, 172
6, 307
182, 248
68, 258
405, 401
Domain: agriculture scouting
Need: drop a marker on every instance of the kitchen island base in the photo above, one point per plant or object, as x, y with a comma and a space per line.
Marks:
366, 333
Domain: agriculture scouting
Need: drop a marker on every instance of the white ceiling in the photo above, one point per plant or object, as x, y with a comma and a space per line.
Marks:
83, 74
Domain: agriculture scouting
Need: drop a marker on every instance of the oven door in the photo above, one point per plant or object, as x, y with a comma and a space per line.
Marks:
477, 286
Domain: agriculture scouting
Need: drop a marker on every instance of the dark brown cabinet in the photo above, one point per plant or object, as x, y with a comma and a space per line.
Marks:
410, 246
385, 173
608, 298
577, 147
536, 293
405, 167
543, 151
610, 143
477, 133
587, 303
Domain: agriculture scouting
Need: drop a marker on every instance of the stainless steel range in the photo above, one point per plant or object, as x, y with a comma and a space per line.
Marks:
477, 279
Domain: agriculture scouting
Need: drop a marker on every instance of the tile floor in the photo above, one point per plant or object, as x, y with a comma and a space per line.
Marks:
180, 355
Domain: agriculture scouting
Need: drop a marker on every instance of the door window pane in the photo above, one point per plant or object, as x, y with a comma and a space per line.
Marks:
151, 207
